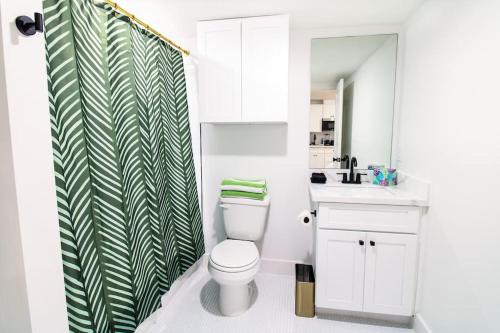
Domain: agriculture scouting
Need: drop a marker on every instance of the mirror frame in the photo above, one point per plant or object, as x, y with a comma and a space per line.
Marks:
368, 31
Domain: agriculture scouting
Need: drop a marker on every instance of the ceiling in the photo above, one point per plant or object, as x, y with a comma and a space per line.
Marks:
178, 17
335, 58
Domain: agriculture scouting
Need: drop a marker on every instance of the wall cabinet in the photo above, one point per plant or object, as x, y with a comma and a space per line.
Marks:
315, 117
365, 271
219, 43
320, 112
244, 70
329, 109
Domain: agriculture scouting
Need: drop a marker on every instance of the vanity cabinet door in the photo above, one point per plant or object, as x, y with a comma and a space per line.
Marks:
390, 273
340, 261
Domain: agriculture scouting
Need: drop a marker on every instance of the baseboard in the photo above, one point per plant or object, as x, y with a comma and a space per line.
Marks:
275, 266
420, 325
364, 318
178, 284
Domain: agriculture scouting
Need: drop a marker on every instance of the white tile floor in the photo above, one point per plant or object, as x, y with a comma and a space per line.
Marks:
194, 309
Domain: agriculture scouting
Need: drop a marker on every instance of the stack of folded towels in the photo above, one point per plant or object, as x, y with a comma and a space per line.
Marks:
240, 188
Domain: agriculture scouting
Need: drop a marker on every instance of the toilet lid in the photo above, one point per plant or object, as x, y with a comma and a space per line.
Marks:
234, 253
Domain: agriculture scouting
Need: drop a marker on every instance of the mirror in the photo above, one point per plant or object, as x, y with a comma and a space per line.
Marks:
352, 100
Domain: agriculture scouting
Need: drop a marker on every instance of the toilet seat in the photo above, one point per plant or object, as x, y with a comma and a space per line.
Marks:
234, 256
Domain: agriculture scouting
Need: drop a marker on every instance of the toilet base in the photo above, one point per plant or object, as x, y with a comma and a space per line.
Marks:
234, 299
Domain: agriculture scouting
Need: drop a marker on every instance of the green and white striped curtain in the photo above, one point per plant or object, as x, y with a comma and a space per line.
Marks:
129, 216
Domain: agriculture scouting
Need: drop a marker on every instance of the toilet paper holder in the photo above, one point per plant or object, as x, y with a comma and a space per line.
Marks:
313, 213
306, 216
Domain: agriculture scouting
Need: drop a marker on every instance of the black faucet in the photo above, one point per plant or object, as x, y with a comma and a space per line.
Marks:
354, 178
354, 163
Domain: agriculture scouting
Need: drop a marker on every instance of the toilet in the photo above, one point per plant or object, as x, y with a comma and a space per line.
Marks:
235, 261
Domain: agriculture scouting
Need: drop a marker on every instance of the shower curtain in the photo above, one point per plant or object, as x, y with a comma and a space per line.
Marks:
129, 215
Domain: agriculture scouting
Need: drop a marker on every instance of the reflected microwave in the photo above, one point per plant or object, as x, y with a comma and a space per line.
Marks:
328, 125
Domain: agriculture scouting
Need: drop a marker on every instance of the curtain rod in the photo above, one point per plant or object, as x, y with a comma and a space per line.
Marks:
132, 17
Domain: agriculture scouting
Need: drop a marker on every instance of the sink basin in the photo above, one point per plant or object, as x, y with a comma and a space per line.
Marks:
362, 185
357, 191
365, 193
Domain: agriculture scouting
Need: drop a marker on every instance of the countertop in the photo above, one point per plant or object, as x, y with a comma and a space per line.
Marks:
365, 193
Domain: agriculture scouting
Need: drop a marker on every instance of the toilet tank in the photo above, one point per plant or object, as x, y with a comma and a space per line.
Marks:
245, 219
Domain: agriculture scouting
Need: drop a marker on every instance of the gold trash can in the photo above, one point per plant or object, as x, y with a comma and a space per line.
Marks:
304, 291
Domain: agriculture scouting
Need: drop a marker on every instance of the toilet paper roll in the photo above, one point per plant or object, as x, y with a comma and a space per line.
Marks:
305, 218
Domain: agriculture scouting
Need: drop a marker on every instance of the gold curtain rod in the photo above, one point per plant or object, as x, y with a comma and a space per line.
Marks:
132, 17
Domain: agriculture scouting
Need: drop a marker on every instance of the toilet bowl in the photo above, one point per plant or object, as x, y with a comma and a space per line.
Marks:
234, 262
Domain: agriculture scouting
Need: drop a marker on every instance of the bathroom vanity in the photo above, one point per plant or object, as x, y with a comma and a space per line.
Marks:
367, 237
367, 247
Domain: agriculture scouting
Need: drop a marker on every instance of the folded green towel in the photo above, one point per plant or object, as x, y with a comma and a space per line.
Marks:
242, 188
239, 194
259, 183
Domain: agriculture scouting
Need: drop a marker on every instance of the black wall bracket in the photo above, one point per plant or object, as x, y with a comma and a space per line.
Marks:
27, 26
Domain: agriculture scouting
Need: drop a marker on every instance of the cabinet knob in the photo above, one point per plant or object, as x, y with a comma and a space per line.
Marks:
372, 243
361, 242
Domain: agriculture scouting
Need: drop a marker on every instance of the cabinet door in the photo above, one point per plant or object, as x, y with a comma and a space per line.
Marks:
316, 158
391, 261
315, 117
265, 69
329, 109
340, 260
219, 44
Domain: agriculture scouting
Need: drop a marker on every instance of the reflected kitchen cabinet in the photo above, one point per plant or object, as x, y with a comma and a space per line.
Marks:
321, 157
329, 109
316, 158
315, 118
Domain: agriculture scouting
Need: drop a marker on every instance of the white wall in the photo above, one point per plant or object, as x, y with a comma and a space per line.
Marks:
191, 72
157, 14
373, 106
278, 153
275, 152
14, 308
31, 277
450, 136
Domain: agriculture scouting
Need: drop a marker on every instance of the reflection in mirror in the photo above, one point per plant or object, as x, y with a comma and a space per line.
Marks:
352, 100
